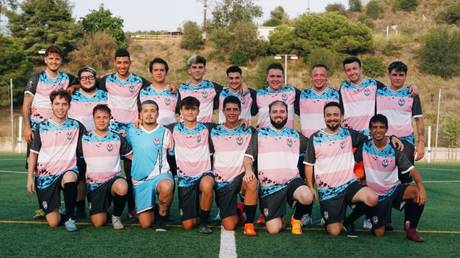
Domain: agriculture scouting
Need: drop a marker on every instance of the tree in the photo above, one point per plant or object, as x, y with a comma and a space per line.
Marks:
323, 56
452, 130
40, 23
338, 8
406, 5
14, 65
440, 53
373, 66
102, 20
229, 12
450, 14
373, 9
277, 17
355, 5
191, 37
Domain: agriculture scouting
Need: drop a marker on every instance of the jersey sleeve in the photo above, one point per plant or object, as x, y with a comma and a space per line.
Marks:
417, 107
168, 142
31, 87
310, 155
101, 83
303, 144
81, 132
73, 79
357, 138
251, 150
178, 103
125, 148
218, 88
254, 108
145, 82
297, 102
359, 154
380, 85
36, 141
403, 162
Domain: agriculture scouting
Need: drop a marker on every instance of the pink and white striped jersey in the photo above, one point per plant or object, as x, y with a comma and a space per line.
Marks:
311, 105
265, 96
56, 146
278, 153
206, 92
82, 105
332, 157
122, 95
168, 103
229, 147
399, 107
40, 86
248, 104
102, 156
359, 103
381, 166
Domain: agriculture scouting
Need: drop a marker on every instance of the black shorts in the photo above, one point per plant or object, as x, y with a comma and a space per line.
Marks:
334, 210
408, 151
50, 197
99, 199
274, 205
189, 199
81, 165
381, 214
226, 197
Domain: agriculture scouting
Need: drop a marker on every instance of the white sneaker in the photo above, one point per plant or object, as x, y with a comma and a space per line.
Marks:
306, 220
322, 222
367, 224
116, 223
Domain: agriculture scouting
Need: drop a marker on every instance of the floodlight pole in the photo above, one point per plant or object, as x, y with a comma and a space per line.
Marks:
286, 57
437, 121
11, 115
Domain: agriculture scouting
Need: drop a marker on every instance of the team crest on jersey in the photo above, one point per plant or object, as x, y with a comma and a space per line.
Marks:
68, 136
239, 140
109, 147
342, 145
375, 220
266, 212
401, 102
198, 138
367, 92
243, 101
45, 205
284, 97
156, 140
325, 215
289, 142
385, 163
167, 101
204, 94
131, 88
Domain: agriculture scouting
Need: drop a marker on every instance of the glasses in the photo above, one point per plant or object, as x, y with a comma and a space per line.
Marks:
87, 78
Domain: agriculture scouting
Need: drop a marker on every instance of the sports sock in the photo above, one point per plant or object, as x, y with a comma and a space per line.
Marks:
412, 213
70, 198
204, 217
359, 210
250, 211
300, 210
118, 204
309, 209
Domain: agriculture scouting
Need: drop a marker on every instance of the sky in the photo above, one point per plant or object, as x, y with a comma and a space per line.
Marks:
171, 14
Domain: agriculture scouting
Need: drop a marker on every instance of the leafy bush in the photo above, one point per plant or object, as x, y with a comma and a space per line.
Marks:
450, 13
373, 66
191, 37
406, 5
323, 56
355, 5
391, 49
373, 9
338, 8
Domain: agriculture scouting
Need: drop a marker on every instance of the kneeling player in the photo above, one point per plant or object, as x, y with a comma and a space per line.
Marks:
278, 148
150, 171
101, 150
381, 163
53, 160
233, 171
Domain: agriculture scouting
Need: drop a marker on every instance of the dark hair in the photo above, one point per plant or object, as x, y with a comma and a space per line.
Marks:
196, 59
122, 52
87, 69
60, 93
333, 104
189, 102
102, 108
53, 50
233, 100
319, 66
351, 59
148, 102
275, 66
379, 118
234, 69
398, 66
158, 60
276, 102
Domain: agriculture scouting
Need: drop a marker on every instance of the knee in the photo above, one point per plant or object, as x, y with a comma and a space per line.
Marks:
187, 225
380, 232
306, 198
120, 187
69, 177
165, 187
334, 230
53, 223
98, 223
273, 230
372, 200
145, 224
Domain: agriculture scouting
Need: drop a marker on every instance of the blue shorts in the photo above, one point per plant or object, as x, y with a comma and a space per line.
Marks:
146, 191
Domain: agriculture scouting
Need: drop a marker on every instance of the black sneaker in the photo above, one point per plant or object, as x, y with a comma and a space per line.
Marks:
205, 229
160, 226
350, 229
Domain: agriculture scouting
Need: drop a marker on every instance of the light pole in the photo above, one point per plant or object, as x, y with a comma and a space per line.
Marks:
286, 57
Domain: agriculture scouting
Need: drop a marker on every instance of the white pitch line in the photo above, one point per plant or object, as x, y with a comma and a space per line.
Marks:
227, 244
441, 169
13, 172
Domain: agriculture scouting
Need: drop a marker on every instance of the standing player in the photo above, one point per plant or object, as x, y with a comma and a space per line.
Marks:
160, 92
277, 149
205, 91
276, 90
123, 89
53, 161
381, 163
150, 171
84, 100
233, 171
192, 152
102, 149
399, 105
235, 88
330, 151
